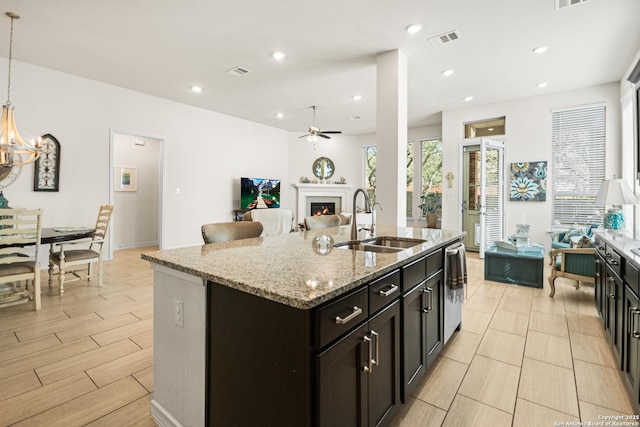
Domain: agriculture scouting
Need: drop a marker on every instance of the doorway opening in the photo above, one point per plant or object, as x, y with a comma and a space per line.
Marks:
483, 199
137, 215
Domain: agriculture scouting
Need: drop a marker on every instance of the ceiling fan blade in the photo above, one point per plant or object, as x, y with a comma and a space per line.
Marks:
331, 131
324, 136
303, 136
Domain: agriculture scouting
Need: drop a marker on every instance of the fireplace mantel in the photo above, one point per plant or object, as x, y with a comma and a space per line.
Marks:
343, 191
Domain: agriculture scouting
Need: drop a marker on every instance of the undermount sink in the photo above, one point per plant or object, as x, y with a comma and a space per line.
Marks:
394, 242
381, 244
357, 246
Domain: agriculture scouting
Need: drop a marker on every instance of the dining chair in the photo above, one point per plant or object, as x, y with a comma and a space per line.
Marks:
20, 229
64, 255
226, 231
321, 221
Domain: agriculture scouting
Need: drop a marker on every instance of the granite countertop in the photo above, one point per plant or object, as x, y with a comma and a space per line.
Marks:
287, 268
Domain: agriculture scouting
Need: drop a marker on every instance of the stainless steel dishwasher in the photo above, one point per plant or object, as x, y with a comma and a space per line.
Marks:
453, 299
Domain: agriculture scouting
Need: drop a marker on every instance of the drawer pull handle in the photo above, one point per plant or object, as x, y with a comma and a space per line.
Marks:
634, 332
425, 300
389, 291
356, 312
430, 299
607, 255
614, 262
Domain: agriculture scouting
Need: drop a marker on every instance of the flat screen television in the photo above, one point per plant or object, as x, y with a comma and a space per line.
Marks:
259, 193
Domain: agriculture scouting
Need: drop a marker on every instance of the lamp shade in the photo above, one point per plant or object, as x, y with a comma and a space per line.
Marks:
615, 192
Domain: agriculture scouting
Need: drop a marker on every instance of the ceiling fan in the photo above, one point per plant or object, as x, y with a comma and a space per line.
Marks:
315, 131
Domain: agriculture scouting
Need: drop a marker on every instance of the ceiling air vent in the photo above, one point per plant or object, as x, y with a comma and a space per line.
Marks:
447, 37
238, 71
566, 3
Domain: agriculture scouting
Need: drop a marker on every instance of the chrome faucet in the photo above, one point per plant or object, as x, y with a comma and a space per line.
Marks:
367, 209
373, 217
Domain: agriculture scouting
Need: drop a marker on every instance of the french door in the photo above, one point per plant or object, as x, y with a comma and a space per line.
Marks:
483, 192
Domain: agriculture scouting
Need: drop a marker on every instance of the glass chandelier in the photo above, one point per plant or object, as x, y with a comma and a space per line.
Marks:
12, 147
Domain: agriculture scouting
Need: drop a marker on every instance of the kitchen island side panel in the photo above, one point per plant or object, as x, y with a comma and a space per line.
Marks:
179, 351
260, 359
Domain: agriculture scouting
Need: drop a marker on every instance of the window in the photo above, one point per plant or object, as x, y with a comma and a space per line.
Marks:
370, 172
429, 179
578, 163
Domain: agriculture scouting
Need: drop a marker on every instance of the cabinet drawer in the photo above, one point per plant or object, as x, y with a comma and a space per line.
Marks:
613, 260
413, 273
342, 315
383, 291
631, 276
434, 262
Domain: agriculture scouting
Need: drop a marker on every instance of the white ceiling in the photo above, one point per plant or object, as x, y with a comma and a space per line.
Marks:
162, 47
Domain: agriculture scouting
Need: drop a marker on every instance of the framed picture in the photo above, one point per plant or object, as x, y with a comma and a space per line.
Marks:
126, 178
46, 173
528, 181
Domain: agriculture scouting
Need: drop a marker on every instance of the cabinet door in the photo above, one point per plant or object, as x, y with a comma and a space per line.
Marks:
631, 342
614, 313
600, 295
434, 316
384, 378
414, 339
342, 381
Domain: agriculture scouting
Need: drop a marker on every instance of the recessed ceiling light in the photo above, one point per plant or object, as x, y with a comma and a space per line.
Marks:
356, 97
541, 49
279, 115
278, 56
414, 28
542, 84
467, 98
196, 89
447, 73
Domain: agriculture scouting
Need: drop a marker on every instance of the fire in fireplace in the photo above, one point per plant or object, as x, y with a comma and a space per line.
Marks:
324, 208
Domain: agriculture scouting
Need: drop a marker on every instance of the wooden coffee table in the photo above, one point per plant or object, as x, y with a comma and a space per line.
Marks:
518, 267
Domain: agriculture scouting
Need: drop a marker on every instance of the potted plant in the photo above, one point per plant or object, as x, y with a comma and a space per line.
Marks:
431, 206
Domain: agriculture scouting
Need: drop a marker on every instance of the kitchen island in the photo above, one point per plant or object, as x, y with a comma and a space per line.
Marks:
292, 330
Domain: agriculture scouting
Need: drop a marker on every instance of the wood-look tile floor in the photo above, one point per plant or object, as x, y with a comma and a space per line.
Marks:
85, 358
521, 358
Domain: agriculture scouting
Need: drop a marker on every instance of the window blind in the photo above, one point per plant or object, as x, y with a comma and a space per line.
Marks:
578, 163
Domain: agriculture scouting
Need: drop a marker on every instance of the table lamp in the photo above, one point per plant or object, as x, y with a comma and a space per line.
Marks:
615, 192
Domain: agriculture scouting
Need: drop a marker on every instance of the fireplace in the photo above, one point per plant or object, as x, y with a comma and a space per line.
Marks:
322, 208
333, 196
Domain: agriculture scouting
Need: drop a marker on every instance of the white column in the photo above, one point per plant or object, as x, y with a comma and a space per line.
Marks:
391, 137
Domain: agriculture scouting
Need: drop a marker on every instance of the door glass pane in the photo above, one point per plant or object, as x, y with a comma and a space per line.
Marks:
494, 196
409, 207
370, 172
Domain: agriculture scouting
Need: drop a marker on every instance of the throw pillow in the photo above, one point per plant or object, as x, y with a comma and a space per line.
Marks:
572, 232
585, 242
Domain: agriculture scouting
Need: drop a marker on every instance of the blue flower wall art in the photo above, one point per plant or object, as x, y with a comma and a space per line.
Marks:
528, 182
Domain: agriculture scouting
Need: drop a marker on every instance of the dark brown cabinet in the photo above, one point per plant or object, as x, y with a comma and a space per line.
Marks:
600, 295
613, 307
423, 319
359, 376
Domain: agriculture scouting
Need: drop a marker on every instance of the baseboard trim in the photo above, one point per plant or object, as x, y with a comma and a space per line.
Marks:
162, 417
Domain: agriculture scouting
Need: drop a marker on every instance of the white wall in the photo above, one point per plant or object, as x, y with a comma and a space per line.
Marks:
137, 213
206, 153
528, 138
